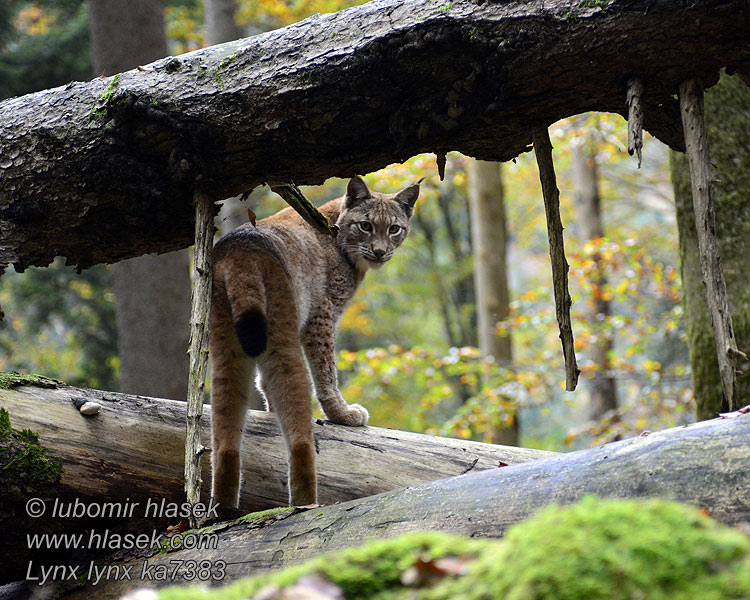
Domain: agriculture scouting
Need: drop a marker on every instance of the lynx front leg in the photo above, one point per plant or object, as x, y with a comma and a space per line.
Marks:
318, 339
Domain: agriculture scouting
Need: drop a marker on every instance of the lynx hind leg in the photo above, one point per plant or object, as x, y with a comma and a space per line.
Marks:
231, 375
286, 386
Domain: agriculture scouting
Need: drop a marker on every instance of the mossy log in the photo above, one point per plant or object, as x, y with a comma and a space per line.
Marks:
107, 169
134, 448
705, 465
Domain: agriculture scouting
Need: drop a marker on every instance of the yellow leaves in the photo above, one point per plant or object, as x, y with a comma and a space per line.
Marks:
356, 321
651, 365
33, 20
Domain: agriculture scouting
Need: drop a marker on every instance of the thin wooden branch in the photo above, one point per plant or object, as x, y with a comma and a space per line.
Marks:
201, 304
691, 107
543, 152
635, 118
306, 209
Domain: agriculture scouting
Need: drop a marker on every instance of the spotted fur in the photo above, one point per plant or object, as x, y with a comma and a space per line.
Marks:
279, 291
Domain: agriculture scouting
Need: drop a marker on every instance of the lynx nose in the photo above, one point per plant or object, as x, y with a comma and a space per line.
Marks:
378, 252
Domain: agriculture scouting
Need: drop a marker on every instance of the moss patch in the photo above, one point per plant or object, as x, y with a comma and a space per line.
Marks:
102, 104
25, 465
8, 381
596, 549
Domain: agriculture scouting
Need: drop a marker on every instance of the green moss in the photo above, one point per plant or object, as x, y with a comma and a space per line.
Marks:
25, 465
104, 100
265, 515
605, 549
593, 3
596, 549
8, 381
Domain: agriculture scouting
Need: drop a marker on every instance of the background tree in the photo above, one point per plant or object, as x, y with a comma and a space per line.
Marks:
728, 127
601, 385
489, 240
152, 293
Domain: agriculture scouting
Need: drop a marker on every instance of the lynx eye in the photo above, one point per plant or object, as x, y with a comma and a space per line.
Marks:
394, 229
365, 226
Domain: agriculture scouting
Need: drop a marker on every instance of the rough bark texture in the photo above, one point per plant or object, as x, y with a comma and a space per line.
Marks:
602, 385
201, 307
696, 142
282, 106
135, 448
543, 153
704, 465
152, 293
489, 240
728, 127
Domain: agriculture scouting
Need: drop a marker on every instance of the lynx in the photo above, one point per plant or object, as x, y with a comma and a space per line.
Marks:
279, 291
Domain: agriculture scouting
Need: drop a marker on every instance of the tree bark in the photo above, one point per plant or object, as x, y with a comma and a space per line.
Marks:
134, 448
602, 385
105, 170
728, 128
152, 293
663, 464
489, 242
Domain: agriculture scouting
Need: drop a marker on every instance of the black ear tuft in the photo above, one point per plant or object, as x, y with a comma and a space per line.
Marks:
407, 197
356, 192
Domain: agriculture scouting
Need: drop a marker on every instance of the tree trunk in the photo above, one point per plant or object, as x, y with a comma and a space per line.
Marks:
152, 293
489, 242
221, 27
602, 386
106, 170
220, 24
662, 464
135, 448
728, 127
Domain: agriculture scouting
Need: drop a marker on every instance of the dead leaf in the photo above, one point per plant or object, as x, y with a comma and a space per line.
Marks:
179, 528
313, 587
141, 68
502, 464
704, 511
251, 216
426, 571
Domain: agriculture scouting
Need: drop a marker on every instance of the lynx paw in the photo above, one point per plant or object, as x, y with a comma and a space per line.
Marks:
354, 415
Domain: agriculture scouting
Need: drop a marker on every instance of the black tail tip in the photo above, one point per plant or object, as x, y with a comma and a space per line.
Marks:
251, 331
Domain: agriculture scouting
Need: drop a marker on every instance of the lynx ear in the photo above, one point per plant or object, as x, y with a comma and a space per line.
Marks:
407, 197
356, 192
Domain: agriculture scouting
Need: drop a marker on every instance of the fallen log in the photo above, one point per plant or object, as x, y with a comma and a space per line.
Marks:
107, 169
705, 465
134, 448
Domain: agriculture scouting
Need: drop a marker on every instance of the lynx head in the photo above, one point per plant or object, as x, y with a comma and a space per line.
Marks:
373, 225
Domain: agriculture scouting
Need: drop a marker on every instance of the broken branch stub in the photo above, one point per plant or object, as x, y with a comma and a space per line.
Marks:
543, 153
294, 197
635, 118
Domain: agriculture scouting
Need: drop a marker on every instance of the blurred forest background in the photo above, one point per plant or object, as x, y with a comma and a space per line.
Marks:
457, 335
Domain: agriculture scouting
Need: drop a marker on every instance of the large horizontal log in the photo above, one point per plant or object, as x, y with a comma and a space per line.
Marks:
107, 169
706, 465
134, 448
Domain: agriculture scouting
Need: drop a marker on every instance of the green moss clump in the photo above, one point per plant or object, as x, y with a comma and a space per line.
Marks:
8, 381
370, 571
266, 515
596, 549
26, 468
103, 102
607, 549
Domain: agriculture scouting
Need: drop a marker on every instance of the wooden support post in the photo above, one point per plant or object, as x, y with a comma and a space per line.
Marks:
201, 304
543, 152
635, 118
696, 144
